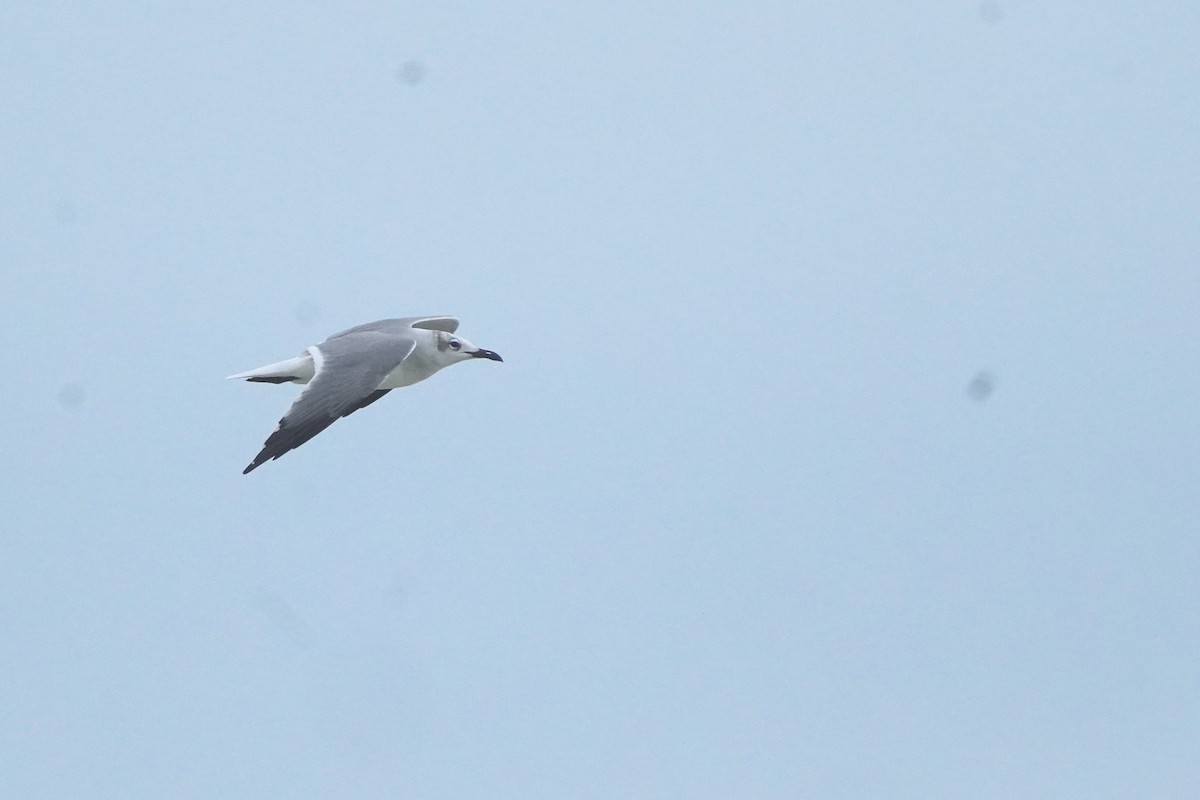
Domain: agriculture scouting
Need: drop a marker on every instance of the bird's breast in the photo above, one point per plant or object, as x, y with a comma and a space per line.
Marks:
407, 374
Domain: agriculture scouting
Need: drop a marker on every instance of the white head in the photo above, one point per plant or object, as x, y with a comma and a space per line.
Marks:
453, 349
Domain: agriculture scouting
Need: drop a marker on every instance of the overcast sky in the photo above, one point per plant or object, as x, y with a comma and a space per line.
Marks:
846, 443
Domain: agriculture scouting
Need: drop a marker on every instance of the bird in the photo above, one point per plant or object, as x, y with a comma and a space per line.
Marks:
354, 368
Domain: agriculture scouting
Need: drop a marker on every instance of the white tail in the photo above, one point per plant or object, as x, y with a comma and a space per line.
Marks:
295, 370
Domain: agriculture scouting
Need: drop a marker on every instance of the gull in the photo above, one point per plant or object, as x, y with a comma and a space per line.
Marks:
354, 368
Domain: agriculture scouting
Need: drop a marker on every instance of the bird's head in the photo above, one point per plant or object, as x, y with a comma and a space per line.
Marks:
455, 348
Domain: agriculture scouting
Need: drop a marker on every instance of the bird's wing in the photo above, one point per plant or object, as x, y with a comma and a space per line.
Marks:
349, 370
447, 324
401, 325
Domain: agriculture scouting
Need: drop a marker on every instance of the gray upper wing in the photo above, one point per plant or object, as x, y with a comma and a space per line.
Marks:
351, 367
447, 324
401, 325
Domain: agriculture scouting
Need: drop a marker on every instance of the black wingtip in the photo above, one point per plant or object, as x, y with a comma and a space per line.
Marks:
266, 454
258, 461
285, 438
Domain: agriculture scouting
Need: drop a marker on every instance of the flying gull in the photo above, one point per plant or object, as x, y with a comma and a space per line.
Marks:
354, 368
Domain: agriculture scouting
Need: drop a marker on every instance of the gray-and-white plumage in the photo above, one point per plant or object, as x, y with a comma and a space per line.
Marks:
354, 368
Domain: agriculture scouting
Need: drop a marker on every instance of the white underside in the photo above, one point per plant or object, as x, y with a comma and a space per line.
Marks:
400, 377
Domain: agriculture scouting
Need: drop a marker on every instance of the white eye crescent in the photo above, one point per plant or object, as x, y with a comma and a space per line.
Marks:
455, 344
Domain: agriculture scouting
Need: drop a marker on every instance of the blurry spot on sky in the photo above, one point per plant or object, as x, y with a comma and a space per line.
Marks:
411, 73
991, 13
71, 395
981, 386
65, 212
282, 617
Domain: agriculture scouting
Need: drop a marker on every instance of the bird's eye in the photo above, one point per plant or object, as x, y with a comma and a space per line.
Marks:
455, 344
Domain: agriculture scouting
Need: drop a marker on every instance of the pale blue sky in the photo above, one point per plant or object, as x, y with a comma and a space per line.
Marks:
727, 522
